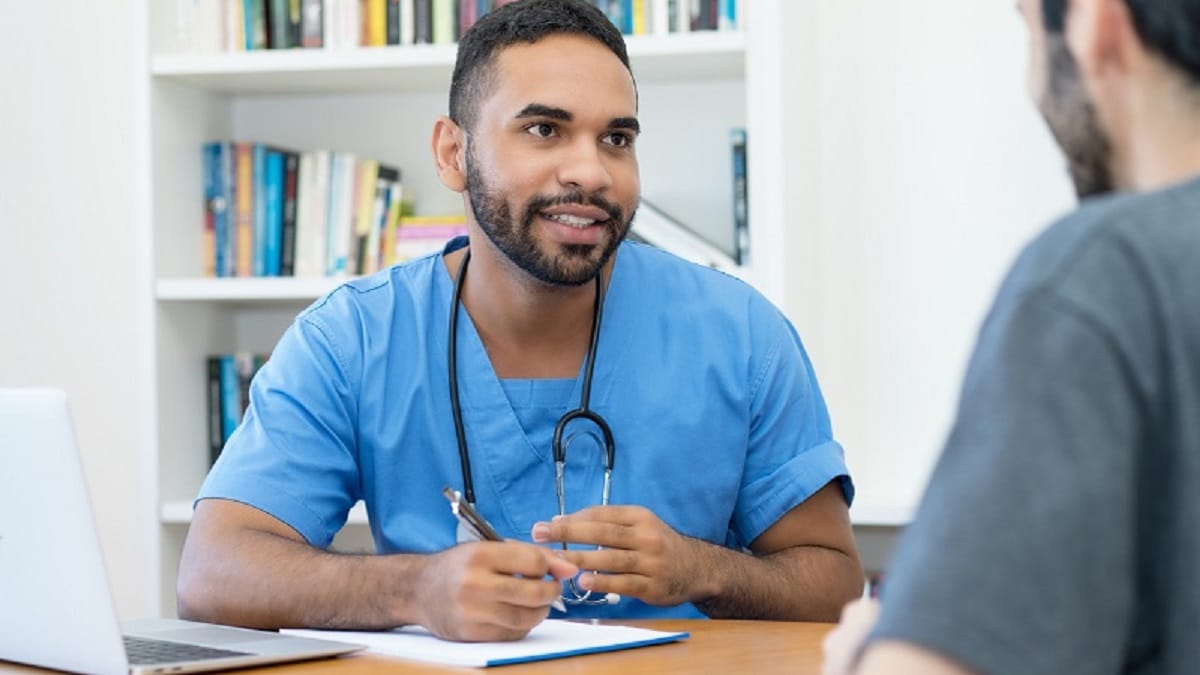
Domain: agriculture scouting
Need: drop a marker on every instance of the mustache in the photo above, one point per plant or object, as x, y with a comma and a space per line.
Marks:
575, 197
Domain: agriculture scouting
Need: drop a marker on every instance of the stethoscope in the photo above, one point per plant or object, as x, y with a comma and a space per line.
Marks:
578, 596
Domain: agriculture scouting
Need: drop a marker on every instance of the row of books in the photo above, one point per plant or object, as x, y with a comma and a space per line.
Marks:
245, 25
273, 212
228, 394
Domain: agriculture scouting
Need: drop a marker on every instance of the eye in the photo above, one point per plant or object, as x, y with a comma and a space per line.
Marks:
619, 139
541, 130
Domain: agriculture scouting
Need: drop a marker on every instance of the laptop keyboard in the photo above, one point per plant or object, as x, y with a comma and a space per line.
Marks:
143, 651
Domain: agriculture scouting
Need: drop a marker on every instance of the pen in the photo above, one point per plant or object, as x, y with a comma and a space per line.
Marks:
480, 527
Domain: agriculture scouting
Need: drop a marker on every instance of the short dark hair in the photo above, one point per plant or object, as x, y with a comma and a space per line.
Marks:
523, 21
1169, 28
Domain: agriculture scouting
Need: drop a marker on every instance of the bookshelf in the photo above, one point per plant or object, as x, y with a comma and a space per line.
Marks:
381, 102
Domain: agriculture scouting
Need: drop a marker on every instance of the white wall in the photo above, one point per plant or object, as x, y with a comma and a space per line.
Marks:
68, 203
924, 168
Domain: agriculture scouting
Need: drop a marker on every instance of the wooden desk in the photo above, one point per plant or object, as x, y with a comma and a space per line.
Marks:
714, 647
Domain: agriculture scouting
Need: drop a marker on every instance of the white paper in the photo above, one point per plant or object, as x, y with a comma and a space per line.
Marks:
548, 640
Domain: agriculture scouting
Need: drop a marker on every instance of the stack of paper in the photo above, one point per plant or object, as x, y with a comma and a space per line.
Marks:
550, 639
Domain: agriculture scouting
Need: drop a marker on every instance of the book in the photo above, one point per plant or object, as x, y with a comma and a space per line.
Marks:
212, 198
312, 24
312, 214
741, 216
393, 22
231, 398
243, 194
255, 20
291, 187
272, 212
422, 21
258, 246
364, 207
551, 639
445, 25
277, 24
375, 22
216, 424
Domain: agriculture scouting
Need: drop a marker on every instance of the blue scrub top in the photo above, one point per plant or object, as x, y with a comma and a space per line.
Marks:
719, 424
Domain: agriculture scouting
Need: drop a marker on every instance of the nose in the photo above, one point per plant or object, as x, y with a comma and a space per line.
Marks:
585, 167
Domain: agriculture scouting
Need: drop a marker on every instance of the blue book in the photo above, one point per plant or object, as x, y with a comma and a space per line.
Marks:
260, 209
727, 15
231, 397
217, 167
272, 213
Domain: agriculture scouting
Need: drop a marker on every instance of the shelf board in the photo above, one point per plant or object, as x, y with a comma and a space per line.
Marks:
241, 289
180, 513
708, 55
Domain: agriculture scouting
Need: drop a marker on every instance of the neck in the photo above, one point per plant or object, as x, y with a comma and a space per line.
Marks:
1163, 137
530, 329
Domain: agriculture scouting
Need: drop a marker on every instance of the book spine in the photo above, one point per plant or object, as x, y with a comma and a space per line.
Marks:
291, 187
273, 213
277, 24
741, 216
422, 21
331, 16
209, 240
244, 196
376, 23
295, 19
216, 424
407, 22
727, 18
244, 368
256, 24
312, 24
231, 398
223, 225
388, 255
444, 28
393, 22
235, 26
637, 17
261, 197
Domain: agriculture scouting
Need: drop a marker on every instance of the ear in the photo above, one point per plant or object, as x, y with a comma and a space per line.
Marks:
449, 150
1101, 36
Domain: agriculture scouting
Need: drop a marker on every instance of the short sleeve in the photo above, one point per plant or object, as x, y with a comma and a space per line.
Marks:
1021, 558
791, 453
294, 455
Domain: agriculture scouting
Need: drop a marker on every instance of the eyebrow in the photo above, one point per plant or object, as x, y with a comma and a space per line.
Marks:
551, 112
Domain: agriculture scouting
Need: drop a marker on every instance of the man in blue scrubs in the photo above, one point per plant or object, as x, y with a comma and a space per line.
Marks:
728, 496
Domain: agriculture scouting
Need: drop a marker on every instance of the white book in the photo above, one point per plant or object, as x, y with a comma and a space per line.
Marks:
341, 212
407, 27
331, 18
660, 17
311, 213
349, 26
235, 26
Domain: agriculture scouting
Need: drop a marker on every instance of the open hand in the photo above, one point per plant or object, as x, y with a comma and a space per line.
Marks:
640, 555
489, 591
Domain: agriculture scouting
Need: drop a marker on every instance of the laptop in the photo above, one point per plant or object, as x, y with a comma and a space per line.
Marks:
56, 607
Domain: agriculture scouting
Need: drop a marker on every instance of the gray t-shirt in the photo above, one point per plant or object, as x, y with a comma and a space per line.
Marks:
1060, 532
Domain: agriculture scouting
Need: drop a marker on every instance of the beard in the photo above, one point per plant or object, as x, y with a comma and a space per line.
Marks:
566, 265
1074, 124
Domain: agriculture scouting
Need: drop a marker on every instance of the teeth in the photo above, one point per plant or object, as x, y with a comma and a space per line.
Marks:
573, 221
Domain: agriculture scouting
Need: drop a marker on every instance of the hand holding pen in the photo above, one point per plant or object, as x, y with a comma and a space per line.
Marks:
479, 527
489, 590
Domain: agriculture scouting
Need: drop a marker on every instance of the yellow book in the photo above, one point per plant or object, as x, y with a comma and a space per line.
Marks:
376, 23
364, 207
639, 17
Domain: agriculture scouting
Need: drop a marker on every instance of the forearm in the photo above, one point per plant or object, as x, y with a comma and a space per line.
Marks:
800, 583
263, 580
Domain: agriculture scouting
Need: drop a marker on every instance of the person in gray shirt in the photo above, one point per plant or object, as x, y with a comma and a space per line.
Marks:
1060, 532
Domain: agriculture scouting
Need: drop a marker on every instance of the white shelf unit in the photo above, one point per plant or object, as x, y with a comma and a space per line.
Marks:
381, 103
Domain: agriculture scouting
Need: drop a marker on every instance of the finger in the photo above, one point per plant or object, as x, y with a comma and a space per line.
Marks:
627, 585
521, 592
515, 558
578, 531
620, 515
612, 560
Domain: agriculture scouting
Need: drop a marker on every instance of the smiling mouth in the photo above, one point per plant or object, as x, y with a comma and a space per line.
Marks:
571, 221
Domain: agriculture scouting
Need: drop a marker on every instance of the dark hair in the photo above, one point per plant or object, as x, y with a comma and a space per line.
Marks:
1169, 28
523, 21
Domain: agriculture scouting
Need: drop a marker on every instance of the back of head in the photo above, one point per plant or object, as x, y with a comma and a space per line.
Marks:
521, 22
1168, 28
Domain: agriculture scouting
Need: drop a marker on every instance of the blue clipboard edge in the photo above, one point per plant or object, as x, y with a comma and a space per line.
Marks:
671, 637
